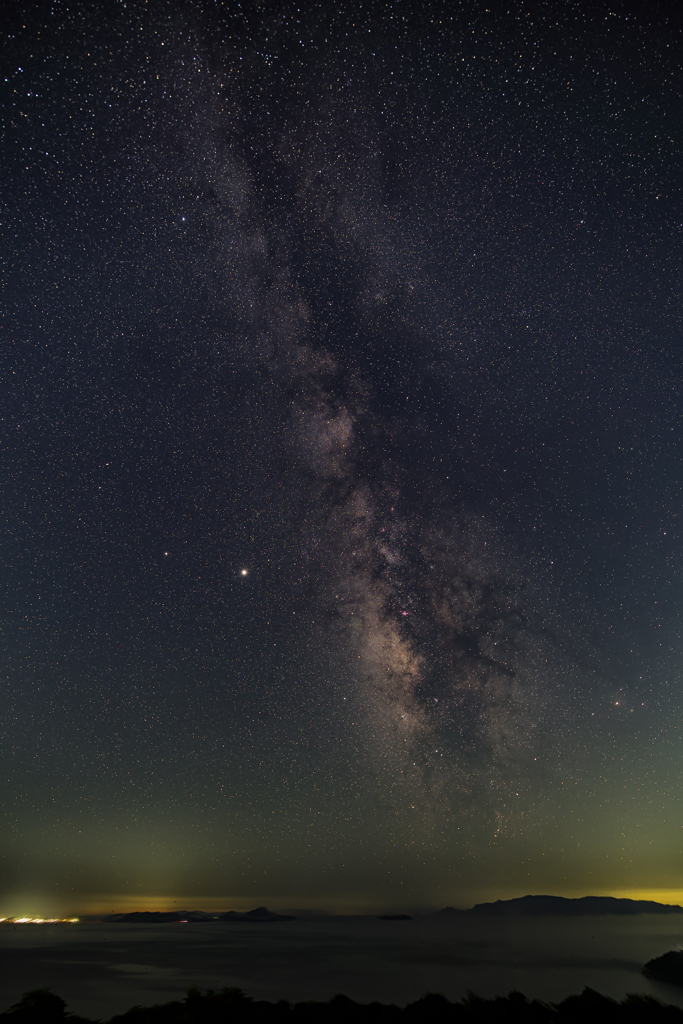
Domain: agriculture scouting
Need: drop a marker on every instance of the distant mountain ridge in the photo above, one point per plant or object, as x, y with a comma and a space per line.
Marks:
156, 917
562, 906
260, 914
521, 906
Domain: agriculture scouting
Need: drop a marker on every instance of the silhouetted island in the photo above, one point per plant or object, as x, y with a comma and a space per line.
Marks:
562, 906
260, 914
668, 967
160, 917
394, 917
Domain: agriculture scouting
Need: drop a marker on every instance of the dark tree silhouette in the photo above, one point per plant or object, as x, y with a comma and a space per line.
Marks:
232, 1006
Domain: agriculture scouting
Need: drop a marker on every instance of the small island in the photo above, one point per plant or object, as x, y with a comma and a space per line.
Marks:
668, 967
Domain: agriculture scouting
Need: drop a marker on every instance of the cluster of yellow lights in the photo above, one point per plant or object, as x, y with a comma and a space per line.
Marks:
39, 920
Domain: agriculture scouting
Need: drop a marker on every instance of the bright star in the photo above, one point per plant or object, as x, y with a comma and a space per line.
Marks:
244, 572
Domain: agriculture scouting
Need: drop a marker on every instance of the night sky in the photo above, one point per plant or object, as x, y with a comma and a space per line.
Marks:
340, 519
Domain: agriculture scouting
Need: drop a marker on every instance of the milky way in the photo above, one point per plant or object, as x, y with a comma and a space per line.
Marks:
424, 609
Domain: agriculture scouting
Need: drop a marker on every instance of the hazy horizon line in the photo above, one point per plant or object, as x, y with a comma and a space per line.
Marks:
105, 905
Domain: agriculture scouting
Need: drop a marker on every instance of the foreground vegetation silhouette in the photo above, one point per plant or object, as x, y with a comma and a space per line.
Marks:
232, 1006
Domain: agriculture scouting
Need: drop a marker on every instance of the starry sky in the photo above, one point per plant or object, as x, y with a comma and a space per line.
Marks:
340, 526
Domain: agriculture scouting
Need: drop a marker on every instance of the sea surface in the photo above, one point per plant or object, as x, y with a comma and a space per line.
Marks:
103, 969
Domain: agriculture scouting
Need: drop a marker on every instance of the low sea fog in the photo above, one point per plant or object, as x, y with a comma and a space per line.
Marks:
103, 969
